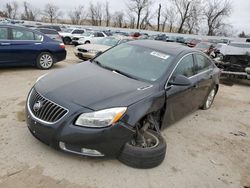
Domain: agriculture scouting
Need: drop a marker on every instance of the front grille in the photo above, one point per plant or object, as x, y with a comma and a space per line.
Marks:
82, 50
44, 109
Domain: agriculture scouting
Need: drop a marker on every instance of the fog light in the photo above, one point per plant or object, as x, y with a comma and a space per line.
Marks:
91, 152
82, 151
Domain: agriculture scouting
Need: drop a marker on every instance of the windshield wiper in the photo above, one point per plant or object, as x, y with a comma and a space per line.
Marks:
113, 70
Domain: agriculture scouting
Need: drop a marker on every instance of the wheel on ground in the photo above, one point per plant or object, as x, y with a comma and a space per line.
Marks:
149, 155
87, 42
45, 61
210, 99
66, 40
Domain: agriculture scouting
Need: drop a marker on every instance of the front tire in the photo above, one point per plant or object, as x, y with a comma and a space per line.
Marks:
45, 61
67, 40
147, 157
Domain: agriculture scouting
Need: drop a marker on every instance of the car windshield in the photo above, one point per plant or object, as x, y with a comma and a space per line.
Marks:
107, 41
135, 61
202, 45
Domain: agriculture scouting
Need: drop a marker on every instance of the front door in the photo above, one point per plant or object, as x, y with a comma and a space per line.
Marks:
180, 99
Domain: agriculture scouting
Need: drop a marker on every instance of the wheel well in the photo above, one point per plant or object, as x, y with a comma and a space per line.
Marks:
217, 87
87, 41
156, 115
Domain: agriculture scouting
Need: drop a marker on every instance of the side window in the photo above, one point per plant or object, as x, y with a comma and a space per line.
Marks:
95, 35
3, 33
100, 35
19, 34
38, 37
185, 67
203, 63
77, 31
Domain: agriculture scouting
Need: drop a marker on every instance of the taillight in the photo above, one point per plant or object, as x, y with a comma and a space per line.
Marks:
62, 45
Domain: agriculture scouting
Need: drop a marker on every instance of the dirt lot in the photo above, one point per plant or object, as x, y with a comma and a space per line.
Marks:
208, 149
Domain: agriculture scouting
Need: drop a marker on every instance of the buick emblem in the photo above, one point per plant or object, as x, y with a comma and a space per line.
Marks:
37, 106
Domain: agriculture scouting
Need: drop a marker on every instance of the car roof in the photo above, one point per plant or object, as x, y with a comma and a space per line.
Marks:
165, 47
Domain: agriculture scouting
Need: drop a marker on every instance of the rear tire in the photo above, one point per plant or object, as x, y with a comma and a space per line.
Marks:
45, 61
87, 42
139, 157
66, 40
209, 99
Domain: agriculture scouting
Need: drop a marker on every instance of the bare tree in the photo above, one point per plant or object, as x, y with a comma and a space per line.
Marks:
159, 18
118, 19
131, 20
169, 18
146, 20
11, 9
29, 12
183, 8
76, 16
95, 14
194, 20
138, 6
51, 12
215, 12
107, 14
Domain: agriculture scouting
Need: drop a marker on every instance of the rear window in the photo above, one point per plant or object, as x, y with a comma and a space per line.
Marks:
3, 33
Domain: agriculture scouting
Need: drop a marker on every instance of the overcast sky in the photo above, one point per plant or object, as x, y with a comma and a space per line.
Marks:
240, 18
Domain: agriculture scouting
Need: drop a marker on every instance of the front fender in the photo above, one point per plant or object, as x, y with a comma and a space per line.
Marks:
138, 110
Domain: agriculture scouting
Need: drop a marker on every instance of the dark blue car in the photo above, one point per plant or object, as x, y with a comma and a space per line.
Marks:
20, 46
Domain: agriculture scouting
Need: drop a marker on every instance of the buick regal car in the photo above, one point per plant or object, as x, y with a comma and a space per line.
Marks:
117, 104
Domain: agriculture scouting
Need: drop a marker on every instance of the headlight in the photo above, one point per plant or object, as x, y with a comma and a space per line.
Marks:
39, 78
102, 118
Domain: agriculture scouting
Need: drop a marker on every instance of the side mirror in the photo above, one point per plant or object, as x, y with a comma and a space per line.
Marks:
180, 80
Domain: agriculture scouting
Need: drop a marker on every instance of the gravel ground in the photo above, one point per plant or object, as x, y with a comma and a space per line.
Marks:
208, 149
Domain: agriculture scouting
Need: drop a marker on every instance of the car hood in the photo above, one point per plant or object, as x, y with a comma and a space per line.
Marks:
94, 87
97, 47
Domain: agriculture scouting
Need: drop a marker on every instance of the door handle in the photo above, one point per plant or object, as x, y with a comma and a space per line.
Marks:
5, 44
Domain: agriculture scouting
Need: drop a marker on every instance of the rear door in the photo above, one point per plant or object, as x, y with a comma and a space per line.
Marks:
5, 46
26, 46
180, 99
204, 75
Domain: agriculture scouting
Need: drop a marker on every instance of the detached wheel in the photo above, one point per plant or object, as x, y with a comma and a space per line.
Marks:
210, 99
45, 61
148, 156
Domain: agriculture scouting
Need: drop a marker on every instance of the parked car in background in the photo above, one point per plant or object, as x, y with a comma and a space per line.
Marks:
20, 46
235, 60
161, 37
68, 34
55, 27
171, 39
50, 33
89, 51
207, 48
88, 37
180, 39
116, 105
193, 43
